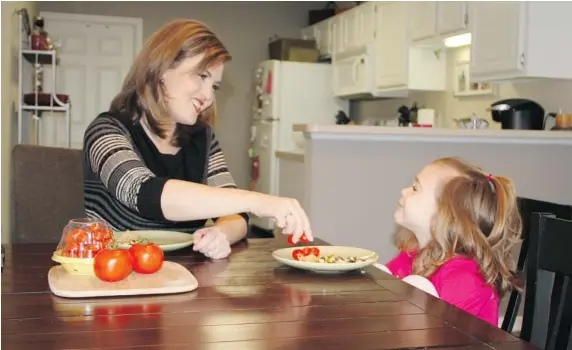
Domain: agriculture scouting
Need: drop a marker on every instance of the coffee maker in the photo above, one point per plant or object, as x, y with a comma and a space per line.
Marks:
517, 113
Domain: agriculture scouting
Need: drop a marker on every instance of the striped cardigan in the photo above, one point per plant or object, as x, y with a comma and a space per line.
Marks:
120, 188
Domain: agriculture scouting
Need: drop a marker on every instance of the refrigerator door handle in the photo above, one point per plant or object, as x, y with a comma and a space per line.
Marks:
252, 134
264, 142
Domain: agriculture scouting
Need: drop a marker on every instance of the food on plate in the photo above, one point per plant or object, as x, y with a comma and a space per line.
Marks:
132, 238
312, 254
112, 265
147, 257
86, 241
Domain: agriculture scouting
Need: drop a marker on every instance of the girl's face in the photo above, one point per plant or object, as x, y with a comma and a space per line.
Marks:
190, 92
418, 204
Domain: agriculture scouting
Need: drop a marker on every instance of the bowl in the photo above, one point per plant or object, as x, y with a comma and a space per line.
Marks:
472, 122
81, 240
75, 266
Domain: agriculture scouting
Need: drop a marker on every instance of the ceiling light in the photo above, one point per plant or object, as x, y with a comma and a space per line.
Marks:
458, 40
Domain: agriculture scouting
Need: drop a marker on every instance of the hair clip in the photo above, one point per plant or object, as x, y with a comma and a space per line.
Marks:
490, 177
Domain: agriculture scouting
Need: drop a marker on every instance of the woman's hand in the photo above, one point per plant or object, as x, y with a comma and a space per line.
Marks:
212, 242
287, 213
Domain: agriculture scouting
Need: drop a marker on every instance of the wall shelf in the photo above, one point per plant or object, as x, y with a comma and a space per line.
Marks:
36, 58
39, 56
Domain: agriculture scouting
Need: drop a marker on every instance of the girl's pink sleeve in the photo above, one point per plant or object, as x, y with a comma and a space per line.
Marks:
401, 265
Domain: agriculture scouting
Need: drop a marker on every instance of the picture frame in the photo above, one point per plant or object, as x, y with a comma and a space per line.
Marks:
462, 85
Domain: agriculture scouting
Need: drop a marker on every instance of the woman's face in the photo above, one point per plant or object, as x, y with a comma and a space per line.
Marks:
190, 92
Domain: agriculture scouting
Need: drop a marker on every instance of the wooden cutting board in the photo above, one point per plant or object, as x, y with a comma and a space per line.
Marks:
171, 278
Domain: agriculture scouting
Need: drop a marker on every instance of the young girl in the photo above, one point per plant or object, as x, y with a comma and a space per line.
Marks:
459, 226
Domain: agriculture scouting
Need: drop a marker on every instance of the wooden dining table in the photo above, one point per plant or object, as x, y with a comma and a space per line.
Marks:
248, 301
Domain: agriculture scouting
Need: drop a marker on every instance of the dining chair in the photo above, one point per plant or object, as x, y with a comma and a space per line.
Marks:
47, 192
527, 207
548, 300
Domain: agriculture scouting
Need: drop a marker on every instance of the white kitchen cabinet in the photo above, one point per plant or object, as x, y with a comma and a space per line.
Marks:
452, 17
354, 29
323, 33
432, 21
422, 20
391, 45
349, 29
337, 32
399, 66
366, 23
308, 33
520, 40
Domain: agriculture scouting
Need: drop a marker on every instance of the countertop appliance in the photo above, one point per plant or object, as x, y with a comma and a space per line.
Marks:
286, 93
516, 113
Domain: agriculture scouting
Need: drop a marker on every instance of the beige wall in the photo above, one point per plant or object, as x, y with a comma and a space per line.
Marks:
244, 27
551, 94
9, 98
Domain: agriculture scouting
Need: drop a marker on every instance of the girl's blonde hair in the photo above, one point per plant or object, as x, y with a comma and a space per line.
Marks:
477, 216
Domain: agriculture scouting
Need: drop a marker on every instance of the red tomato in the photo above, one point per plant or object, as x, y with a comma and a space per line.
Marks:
303, 239
315, 251
112, 265
297, 254
147, 258
306, 251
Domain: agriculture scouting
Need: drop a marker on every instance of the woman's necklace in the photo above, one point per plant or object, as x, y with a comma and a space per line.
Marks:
162, 145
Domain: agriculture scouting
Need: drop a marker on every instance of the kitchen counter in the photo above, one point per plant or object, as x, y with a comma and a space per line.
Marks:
363, 132
353, 175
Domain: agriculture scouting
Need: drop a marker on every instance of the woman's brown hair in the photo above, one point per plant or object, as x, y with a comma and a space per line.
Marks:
142, 94
477, 216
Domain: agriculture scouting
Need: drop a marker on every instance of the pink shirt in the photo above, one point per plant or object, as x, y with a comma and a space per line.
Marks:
458, 282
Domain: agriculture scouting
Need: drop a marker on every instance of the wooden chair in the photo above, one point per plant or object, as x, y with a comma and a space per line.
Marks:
527, 207
548, 300
47, 192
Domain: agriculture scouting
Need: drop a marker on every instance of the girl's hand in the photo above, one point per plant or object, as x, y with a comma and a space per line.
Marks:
212, 242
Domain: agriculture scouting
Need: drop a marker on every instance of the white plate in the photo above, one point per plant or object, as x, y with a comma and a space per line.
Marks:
166, 240
285, 256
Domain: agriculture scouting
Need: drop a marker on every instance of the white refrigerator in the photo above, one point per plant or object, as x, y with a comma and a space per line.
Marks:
287, 93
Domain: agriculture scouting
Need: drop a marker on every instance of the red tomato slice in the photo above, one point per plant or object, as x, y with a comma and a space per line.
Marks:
297, 254
290, 239
315, 251
307, 251
304, 239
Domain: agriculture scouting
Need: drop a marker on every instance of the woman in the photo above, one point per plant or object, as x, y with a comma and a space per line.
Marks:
152, 161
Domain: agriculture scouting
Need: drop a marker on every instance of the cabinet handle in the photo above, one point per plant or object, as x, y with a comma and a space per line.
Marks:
522, 59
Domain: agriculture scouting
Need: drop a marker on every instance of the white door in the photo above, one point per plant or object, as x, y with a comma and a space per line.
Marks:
95, 56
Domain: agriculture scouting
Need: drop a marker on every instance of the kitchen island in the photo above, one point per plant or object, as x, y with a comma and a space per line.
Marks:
353, 175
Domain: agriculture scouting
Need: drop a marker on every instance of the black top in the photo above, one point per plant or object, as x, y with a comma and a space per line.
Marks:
125, 173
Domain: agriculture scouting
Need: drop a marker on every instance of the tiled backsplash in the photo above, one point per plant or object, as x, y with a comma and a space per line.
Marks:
551, 94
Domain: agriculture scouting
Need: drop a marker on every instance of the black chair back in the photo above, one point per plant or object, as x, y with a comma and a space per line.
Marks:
527, 207
548, 299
